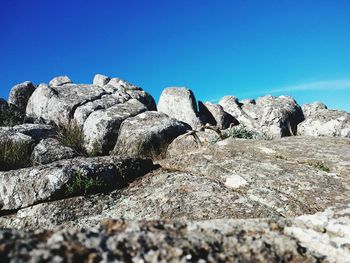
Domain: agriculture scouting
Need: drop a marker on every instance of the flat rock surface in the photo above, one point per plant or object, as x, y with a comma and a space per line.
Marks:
324, 236
234, 178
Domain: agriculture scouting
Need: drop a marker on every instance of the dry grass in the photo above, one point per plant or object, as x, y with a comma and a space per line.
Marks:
71, 135
14, 155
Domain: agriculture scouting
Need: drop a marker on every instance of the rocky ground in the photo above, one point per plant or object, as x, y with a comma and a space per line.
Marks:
100, 173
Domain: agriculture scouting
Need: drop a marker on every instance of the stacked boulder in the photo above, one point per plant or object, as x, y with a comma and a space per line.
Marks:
321, 121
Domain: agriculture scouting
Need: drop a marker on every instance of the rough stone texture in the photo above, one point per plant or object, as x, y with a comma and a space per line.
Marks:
215, 115
191, 142
28, 186
50, 150
312, 108
36, 131
98, 110
20, 94
234, 178
321, 121
274, 116
180, 103
13, 136
102, 126
60, 81
148, 134
314, 238
101, 80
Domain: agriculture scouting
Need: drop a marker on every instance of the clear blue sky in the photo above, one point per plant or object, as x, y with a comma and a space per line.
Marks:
229, 47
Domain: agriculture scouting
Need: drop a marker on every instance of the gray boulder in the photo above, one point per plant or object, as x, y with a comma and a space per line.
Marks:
25, 187
313, 108
20, 94
180, 103
215, 115
102, 126
101, 80
50, 150
60, 81
148, 134
321, 121
274, 116
35, 131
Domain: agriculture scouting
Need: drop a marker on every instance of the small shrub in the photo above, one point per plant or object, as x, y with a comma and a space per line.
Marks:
319, 165
71, 135
14, 155
239, 131
10, 116
96, 149
83, 184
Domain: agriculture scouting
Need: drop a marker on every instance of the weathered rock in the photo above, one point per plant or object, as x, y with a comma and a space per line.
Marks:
215, 115
102, 126
50, 150
60, 81
312, 108
36, 131
180, 103
321, 121
192, 142
313, 238
275, 116
20, 94
25, 187
148, 134
101, 80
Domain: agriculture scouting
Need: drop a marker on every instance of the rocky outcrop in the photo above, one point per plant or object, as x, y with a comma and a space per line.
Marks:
102, 126
148, 134
180, 103
60, 81
274, 116
312, 238
28, 186
215, 115
98, 110
50, 150
20, 94
321, 121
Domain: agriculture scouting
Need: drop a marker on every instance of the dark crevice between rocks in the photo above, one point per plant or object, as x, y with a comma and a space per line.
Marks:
76, 106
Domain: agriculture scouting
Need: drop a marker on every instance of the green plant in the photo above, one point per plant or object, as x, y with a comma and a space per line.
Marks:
239, 131
319, 165
71, 135
10, 116
14, 155
84, 184
96, 149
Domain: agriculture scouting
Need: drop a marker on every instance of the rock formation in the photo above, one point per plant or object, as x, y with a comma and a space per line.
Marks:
99, 173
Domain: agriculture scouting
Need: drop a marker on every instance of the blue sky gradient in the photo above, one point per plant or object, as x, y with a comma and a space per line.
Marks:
244, 48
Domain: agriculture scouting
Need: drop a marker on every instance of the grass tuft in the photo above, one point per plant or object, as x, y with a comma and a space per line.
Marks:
71, 135
14, 155
84, 184
10, 116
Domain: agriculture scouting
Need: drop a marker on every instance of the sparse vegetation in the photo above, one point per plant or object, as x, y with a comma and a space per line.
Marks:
71, 135
10, 116
239, 131
96, 149
84, 184
14, 155
319, 165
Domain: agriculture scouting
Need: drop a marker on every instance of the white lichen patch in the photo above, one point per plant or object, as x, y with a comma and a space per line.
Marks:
235, 181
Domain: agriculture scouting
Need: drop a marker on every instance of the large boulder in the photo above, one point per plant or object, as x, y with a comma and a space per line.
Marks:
28, 186
50, 150
101, 80
148, 134
274, 116
321, 121
20, 94
180, 103
102, 126
60, 81
215, 115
